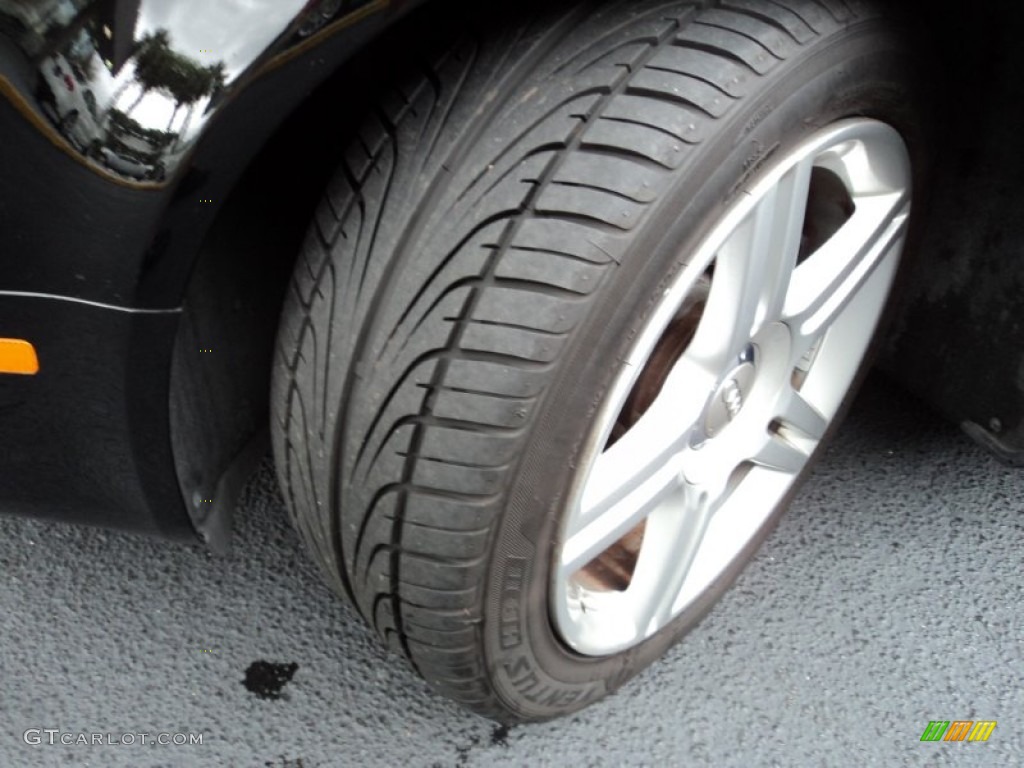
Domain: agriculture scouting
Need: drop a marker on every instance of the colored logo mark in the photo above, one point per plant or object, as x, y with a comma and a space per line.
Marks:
958, 730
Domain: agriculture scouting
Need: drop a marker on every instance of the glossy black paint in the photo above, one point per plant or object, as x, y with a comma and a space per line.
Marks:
86, 440
102, 220
130, 194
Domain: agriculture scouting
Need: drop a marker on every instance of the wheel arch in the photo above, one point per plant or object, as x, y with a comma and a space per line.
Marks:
237, 278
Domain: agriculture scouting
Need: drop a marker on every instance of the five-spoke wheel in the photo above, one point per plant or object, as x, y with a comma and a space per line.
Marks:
770, 319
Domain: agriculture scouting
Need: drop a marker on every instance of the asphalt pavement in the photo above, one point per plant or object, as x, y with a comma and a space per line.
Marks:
891, 595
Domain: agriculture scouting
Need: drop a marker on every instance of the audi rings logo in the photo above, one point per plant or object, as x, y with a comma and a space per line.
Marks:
732, 397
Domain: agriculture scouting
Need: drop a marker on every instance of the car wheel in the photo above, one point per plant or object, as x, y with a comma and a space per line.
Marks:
584, 300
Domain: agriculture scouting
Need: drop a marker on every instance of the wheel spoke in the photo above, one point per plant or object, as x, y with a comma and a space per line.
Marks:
615, 516
797, 412
640, 471
824, 284
778, 453
753, 269
698, 506
646, 447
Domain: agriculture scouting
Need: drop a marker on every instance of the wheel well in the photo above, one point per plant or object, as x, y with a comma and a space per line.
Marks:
223, 348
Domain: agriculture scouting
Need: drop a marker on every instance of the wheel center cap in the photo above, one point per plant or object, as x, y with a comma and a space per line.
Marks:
729, 399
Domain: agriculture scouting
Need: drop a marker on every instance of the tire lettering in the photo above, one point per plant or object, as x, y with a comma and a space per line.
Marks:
758, 118
757, 158
513, 669
558, 698
526, 683
510, 632
571, 696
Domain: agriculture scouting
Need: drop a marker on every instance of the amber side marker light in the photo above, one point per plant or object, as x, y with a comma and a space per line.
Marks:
18, 356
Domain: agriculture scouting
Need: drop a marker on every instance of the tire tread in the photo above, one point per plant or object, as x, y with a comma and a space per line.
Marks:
443, 275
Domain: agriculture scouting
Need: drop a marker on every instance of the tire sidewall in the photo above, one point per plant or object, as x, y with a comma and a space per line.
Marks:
859, 71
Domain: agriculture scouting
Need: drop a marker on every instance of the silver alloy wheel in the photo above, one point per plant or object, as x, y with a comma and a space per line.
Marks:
770, 318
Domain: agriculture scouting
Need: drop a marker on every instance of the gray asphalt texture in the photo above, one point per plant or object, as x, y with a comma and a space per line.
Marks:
891, 594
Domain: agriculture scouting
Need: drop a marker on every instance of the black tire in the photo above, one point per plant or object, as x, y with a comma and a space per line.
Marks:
489, 247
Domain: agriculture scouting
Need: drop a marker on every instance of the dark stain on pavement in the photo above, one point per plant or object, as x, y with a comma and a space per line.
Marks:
266, 680
499, 736
285, 763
